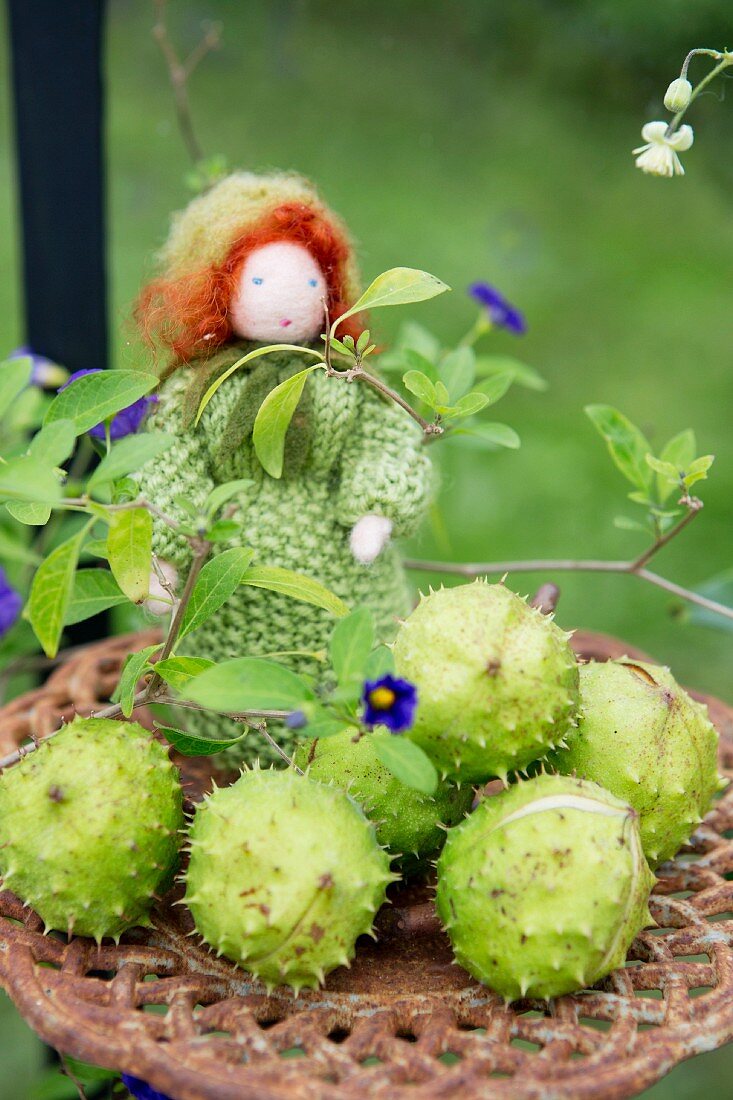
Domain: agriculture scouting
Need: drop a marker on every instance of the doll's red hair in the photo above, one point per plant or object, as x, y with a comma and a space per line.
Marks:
190, 315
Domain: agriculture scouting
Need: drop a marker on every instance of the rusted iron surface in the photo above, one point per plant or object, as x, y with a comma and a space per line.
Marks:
404, 1021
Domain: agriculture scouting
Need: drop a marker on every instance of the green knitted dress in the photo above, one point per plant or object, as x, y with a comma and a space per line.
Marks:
348, 453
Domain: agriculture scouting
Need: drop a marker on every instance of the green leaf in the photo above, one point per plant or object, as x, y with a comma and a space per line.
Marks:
397, 287
419, 384
54, 443
132, 672
15, 375
223, 493
93, 398
246, 684
273, 420
27, 479
407, 762
129, 455
351, 643
96, 547
246, 359
492, 435
94, 590
679, 451
470, 404
295, 585
35, 515
223, 530
458, 370
51, 592
626, 444
13, 549
129, 549
216, 582
625, 523
531, 379
495, 387
191, 744
416, 337
666, 471
178, 671
698, 470
418, 362
379, 663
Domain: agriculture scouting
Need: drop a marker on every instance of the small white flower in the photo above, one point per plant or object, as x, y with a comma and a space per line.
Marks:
659, 156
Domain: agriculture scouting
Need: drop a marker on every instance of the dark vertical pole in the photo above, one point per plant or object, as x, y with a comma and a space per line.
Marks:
58, 95
59, 111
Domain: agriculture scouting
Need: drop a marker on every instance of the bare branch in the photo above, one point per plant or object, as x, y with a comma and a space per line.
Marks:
180, 71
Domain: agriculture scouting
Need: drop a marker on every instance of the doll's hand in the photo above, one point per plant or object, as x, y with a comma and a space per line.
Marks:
159, 600
369, 536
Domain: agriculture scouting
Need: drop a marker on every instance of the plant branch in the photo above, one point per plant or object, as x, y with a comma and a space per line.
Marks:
694, 507
83, 503
558, 565
202, 549
727, 61
179, 73
358, 372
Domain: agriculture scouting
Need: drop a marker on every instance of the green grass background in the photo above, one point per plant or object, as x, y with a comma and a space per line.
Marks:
478, 140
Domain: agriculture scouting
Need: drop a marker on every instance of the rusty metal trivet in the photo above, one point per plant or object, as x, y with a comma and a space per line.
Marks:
403, 1022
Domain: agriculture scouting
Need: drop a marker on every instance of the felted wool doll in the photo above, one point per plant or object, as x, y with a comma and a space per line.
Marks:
250, 263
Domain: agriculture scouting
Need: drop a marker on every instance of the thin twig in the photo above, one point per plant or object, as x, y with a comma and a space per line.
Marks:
202, 549
67, 1072
127, 506
358, 372
557, 565
694, 507
179, 73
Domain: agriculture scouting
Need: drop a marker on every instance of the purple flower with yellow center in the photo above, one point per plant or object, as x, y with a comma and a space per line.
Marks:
126, 421
501, 313
140, 1090
391, 702
11, 603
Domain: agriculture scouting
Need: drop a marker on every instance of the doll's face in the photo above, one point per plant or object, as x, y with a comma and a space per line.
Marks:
280, 295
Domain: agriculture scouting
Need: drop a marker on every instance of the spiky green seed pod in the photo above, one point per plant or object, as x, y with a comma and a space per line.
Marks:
285, 874
543, 888
90, 827
497, 680
642, 737
409, 823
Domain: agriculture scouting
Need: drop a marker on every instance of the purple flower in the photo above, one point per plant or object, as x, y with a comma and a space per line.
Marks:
44, 373
296, 720
126, 421
140, 1090
501, 312
389, 702
11, 603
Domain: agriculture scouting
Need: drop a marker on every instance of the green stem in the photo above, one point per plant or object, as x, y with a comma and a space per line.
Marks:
724, 64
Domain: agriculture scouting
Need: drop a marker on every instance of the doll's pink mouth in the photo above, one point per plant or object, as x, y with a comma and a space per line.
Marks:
285, 322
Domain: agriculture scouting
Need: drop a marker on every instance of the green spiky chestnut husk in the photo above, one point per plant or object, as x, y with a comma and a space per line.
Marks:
642, 737
90, 827
497, 680
543, 888
285, 875
410, 824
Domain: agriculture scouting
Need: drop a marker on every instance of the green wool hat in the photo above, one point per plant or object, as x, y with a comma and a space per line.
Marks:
205, 230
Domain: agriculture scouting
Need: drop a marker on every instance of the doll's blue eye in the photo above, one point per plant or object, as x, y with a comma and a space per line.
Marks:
313, 282
257, 280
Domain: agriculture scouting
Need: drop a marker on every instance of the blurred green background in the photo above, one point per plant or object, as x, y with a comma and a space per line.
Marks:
478, 140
